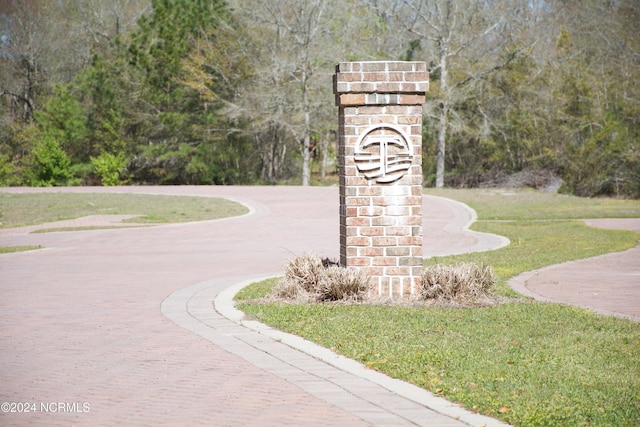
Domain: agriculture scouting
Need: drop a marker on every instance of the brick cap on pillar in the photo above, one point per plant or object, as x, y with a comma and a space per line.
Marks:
380, 83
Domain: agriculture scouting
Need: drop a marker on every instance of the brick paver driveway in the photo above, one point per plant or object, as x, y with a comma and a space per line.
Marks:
607, 284
83, 340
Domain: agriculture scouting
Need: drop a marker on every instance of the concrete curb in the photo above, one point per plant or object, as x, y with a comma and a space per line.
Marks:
225, 305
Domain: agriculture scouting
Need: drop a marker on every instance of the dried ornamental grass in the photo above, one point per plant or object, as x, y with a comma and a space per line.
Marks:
462, 284
290, 290
308, 279
305, 270
344, 284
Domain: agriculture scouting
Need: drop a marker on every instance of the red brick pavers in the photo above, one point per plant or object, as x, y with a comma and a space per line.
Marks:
81, 323
608, 284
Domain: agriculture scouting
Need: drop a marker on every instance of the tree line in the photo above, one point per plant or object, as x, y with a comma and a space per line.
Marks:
526, 92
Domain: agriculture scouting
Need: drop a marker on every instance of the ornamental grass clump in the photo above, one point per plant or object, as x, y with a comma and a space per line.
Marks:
301, 276
310, 279
343, 284
466, 284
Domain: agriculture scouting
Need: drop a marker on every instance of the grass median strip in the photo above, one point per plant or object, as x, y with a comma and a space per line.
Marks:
37, 208
527, 363
12, 249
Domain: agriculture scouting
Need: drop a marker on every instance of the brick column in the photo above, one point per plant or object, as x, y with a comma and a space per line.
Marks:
380, 161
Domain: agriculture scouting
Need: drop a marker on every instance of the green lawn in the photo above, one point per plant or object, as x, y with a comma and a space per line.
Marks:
528, 363
11, 249
37, 208
510, 204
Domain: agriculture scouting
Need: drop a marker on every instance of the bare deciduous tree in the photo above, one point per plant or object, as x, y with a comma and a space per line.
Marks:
43, 43
462, 41
297, 44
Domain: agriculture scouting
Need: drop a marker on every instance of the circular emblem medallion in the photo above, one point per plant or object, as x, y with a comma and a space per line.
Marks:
383, 153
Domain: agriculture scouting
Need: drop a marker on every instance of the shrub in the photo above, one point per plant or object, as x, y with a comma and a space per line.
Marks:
8, 171
462, 284
109, 167
51, 165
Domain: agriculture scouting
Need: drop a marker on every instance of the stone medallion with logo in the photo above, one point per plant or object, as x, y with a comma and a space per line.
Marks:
383, 153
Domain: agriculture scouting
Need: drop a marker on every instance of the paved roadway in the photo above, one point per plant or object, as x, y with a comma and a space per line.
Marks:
607, 284
118, 326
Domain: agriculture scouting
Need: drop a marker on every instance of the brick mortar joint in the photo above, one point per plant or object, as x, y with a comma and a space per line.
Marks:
359, 99
381, 66
399, 91
407, 77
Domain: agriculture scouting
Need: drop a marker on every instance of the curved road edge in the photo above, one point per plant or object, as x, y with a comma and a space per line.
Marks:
444, 228
607, 284
191, 308
226, 326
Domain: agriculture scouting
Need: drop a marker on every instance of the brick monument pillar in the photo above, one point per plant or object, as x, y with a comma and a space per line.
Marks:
380, 162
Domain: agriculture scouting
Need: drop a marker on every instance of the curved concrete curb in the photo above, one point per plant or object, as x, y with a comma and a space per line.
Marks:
196, 300
191, 308
224, 304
